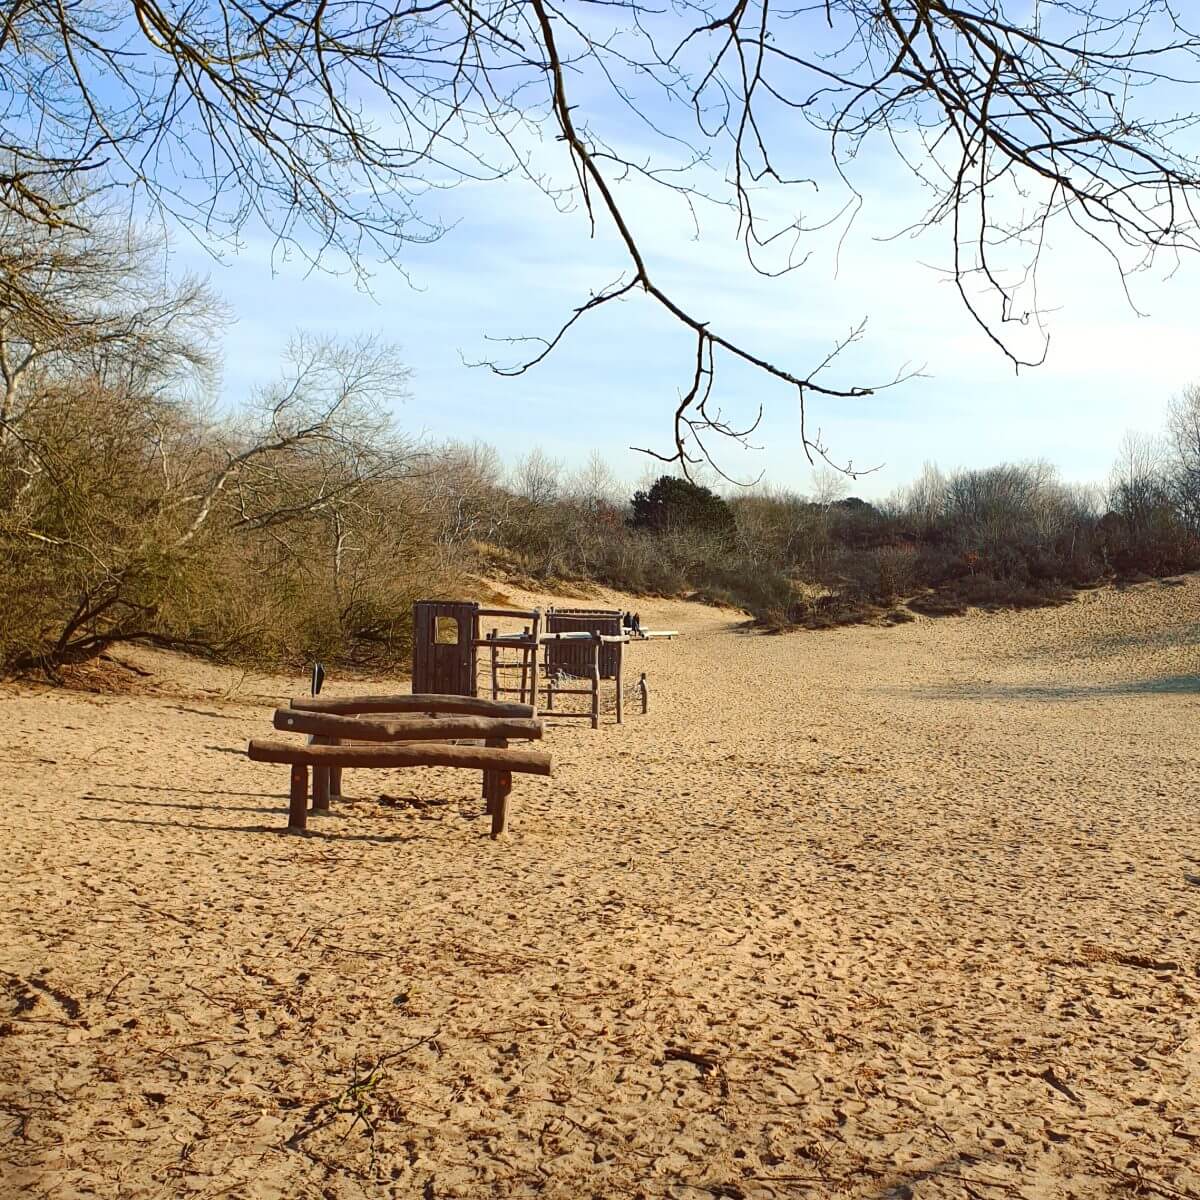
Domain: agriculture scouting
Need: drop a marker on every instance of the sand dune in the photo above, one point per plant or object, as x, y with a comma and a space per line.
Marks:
871, 913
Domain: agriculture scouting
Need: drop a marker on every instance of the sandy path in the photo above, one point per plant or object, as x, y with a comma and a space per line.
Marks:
870, 912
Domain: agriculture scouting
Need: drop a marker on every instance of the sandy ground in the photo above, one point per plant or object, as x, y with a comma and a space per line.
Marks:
870, 913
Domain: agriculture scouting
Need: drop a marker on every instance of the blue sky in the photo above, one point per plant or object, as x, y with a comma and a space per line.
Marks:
514, 265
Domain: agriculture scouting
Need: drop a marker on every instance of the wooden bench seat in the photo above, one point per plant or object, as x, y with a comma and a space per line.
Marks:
472, 706
406, 728
418, 737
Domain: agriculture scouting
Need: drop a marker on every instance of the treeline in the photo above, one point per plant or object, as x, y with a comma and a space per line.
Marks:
1012, 535
304, 523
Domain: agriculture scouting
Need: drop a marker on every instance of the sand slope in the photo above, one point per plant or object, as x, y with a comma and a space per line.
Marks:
868, 913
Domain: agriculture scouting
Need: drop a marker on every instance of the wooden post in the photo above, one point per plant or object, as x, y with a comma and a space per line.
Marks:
499, 810
335, 775
620, 683
298, 798
524, 665
491, 783
320, 779
596, 681
495, 675
320, 789
644, 691
533, 687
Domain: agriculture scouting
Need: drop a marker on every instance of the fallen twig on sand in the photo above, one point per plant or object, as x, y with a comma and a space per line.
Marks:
356, 1099
1057, 1084
706, 1062
1141, 1182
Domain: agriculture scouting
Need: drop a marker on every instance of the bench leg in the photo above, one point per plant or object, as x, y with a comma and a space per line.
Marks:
498, 806
320, 789
298, 799
321, 779
491, 783
335, 780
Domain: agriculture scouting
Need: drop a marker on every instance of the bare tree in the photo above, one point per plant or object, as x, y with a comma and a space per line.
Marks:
595, 486
1183, 436
1138, 488
828, 486
538, 478
924, 501
144, 512
92, 296
330, 120
461, 487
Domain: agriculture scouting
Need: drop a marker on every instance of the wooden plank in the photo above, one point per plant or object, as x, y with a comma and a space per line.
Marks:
422, 637
517, 614
407, 754
405, 729
422, 702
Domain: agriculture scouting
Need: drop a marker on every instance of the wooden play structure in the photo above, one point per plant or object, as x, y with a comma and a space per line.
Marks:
583, 648
402, 731
446, 642
557, 653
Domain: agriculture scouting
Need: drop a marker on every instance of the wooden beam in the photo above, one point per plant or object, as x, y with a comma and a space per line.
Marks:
582, 635
409, 754
422, 703
406, 729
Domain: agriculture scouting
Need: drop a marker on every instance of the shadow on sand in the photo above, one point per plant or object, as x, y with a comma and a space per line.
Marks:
1163, 685
276, 830
200, 806
957, 1167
